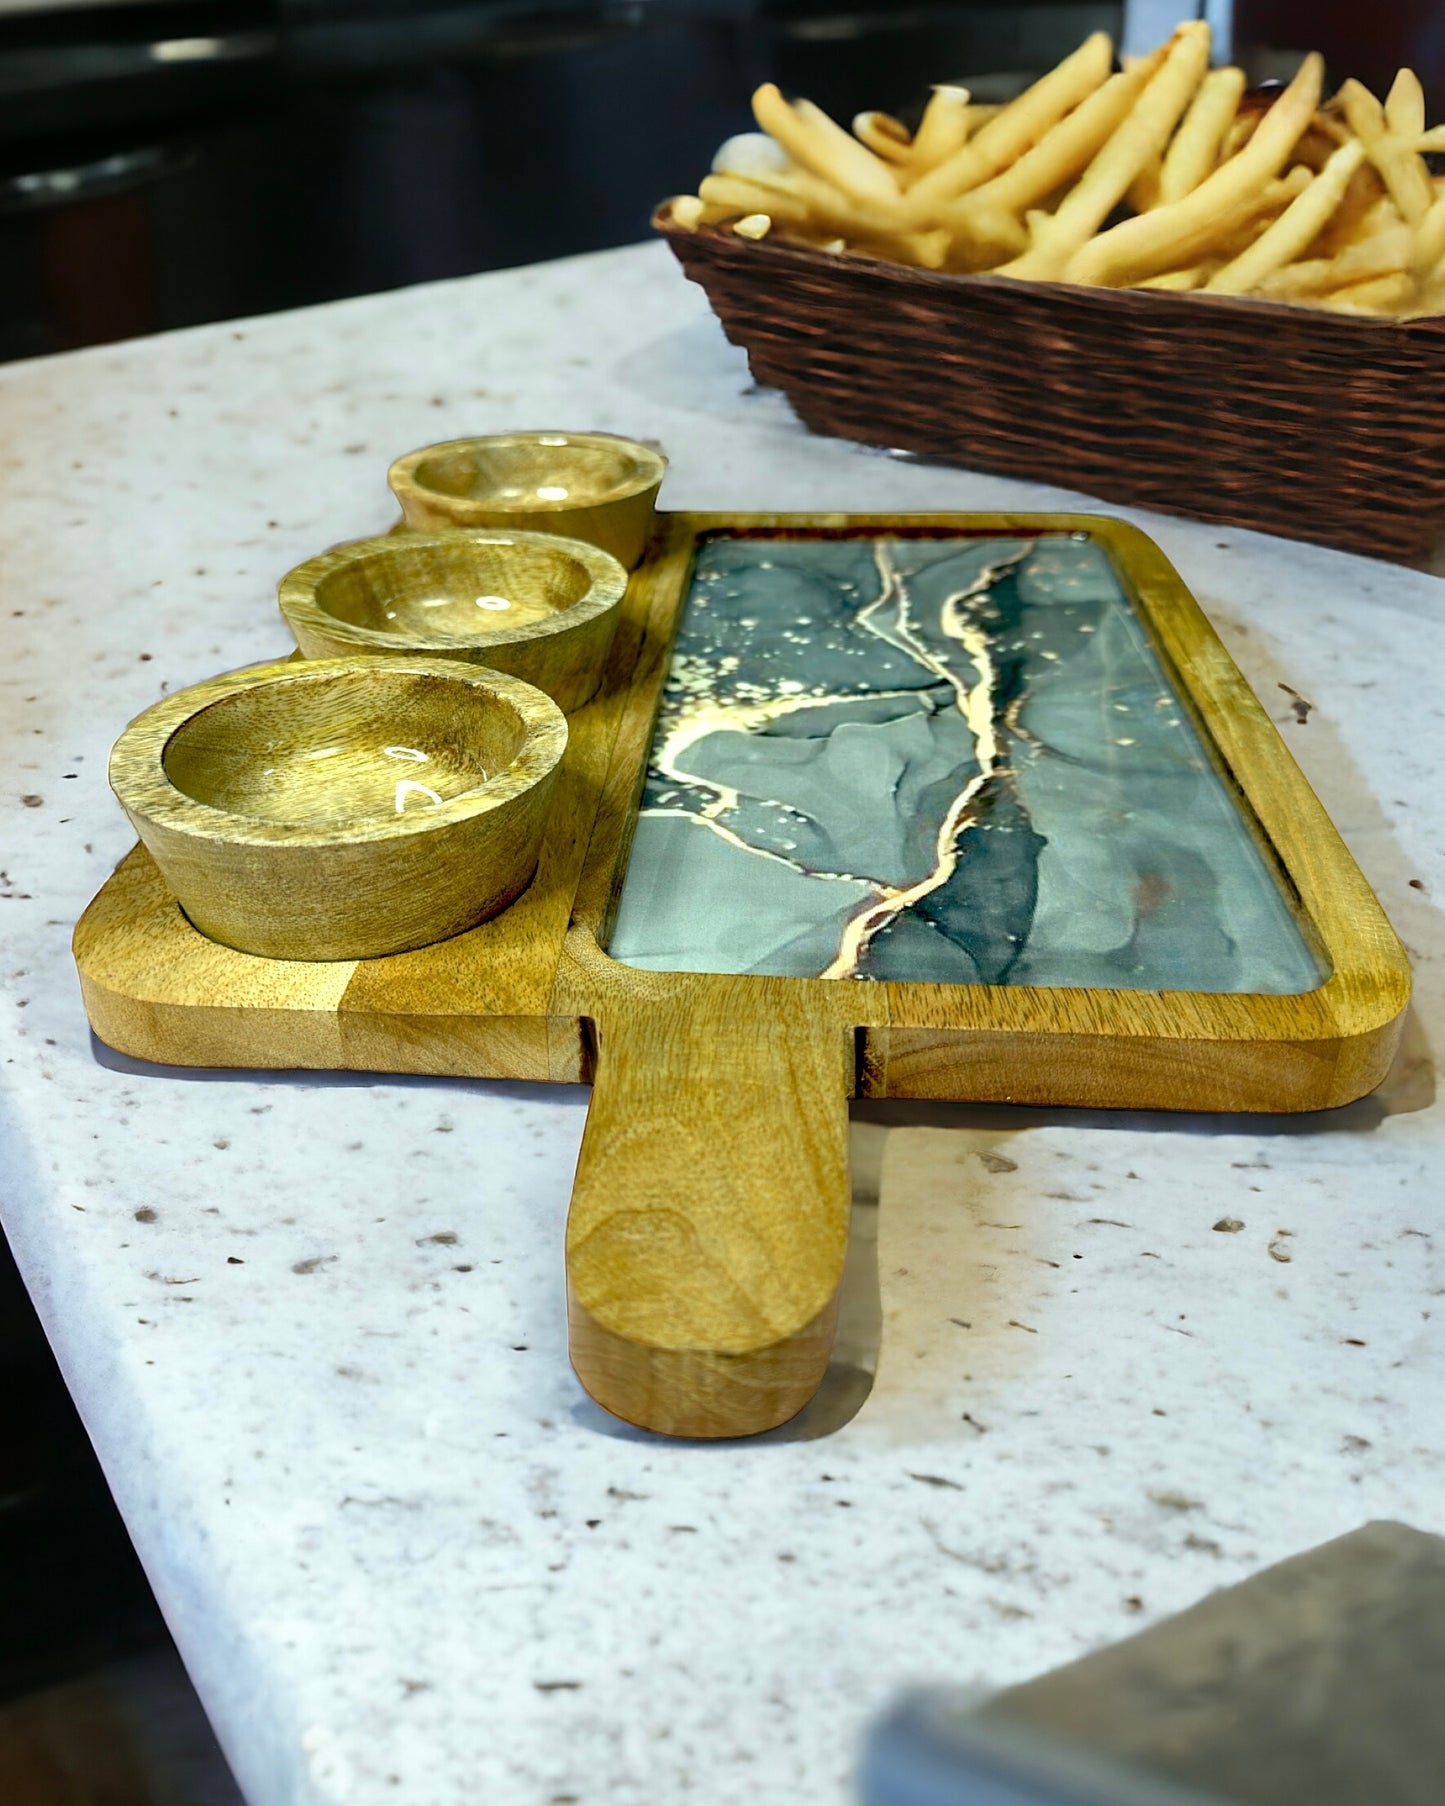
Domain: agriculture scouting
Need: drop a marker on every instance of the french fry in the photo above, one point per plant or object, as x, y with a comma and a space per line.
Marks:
1429, 298
1157, 241
725, 195
885, 136
1234, 193
1057, 158
1385, 295
810, 210
1013, 130
1381, 213
1243, 128
1220, 237
1319, 141
944, 128
1365, 210
802, 203
926, 250
1329, 126
686, 210
1428, 246
743, 205
1384, 253
1295, 229
819, 144
1297, 281
1392, 153
1195, 146
1179, 281
1405, 107
979, 112
1144, 189
1235, 232
1141, 135
989, 239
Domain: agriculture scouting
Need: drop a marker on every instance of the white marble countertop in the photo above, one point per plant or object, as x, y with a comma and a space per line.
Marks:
315, 1326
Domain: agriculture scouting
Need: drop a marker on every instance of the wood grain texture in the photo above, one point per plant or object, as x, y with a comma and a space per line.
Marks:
538, 607
346, 808
709, 1218
592, 486
476, 1005
705, 1240
157, 989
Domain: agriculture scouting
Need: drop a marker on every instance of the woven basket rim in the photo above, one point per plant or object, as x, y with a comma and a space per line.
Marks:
1121, 300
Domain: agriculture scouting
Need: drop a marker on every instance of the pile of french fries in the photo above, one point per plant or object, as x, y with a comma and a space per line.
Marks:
1166, 174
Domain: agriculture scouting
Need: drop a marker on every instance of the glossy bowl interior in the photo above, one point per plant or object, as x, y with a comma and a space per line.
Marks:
353, 746
537, 606
590, 486
534, 471
448, 592
343, 808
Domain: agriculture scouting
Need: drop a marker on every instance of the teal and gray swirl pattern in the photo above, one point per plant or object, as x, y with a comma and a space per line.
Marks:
946, 760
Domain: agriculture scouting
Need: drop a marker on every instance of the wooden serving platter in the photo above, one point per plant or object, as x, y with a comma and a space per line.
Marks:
709, 1217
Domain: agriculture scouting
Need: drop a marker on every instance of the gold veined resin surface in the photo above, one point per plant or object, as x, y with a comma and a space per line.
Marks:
946, 759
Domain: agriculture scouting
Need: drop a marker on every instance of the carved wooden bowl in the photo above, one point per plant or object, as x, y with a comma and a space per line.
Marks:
342, 808
541, 608
591, 486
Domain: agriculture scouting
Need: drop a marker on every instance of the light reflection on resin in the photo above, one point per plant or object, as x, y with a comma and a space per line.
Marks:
946, 760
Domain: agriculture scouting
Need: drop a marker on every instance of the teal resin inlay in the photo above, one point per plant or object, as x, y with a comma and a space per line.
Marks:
943, 760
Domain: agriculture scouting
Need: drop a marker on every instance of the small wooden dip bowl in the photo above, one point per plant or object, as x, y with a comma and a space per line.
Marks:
344, 808
543, 609
590, 486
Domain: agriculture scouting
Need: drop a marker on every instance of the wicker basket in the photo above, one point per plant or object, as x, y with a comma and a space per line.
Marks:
1318, 426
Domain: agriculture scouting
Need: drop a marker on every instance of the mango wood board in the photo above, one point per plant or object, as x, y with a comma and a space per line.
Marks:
708, 1225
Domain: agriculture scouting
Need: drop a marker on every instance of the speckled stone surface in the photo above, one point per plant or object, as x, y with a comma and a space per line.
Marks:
315, 1327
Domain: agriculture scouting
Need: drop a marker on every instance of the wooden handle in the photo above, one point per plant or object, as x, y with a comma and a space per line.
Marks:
709, 1217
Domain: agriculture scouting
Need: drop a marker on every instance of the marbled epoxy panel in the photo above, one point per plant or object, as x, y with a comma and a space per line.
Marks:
948, 760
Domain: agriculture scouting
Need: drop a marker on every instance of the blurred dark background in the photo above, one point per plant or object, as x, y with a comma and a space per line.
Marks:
1368, 42
169, 162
